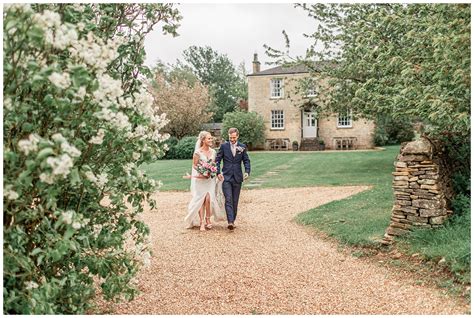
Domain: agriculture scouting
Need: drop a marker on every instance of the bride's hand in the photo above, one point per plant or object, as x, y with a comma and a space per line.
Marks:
187, 176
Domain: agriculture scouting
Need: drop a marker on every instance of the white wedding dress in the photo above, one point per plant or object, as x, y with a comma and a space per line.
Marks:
199, 189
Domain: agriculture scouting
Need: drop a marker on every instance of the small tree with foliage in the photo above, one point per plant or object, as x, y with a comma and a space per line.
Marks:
185, 105
77, 124
250, 125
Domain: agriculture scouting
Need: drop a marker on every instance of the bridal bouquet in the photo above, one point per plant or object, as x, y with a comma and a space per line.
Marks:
207, 168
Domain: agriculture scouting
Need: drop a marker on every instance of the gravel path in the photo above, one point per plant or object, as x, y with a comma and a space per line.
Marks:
268, 265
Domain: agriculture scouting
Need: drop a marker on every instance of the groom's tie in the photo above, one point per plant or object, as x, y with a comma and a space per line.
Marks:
232, 147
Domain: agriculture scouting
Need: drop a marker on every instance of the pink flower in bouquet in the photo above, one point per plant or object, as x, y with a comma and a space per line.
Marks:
207, 168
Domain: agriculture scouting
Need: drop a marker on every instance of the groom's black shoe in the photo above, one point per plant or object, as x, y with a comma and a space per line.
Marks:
231, 227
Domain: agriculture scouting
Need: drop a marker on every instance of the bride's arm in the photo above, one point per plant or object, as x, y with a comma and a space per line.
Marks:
195, 161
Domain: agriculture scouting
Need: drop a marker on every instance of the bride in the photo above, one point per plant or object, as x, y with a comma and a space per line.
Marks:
207, 194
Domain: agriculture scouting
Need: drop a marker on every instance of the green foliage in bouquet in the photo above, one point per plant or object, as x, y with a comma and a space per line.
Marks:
77, 123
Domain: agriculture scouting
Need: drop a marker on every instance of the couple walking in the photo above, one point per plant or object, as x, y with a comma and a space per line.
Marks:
217, 197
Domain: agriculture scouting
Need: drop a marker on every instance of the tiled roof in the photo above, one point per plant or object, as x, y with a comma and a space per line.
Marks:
294, 69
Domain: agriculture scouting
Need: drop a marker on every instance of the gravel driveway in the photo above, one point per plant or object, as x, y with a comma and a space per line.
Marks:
268, 265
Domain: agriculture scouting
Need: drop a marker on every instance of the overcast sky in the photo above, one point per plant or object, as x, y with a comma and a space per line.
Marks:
238, 30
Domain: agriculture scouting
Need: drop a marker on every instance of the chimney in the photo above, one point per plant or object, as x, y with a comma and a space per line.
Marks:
256, 64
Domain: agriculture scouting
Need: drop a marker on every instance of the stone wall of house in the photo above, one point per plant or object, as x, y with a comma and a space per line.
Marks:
362, 130
261, 102
422, 189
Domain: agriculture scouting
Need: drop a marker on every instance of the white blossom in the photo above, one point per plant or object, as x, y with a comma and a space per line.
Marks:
128, 168
61, 165
99, 138
64, 36
29, 145
81, 93
48, 36
120, 121
102, 180
58, 138
90, 176
126, 102
105, 113
144, 103
79, 7
18, 6
139, 131
136, 156
60, 80
10, 195
66, 146
70, 149
97, 228
155, 136
31, 285
67, 216
94, 52
7, 103
46, 178
81, 26
47, 20
76, 225
109, 89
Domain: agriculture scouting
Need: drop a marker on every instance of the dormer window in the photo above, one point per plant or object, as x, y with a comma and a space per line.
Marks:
311, 92
276, 88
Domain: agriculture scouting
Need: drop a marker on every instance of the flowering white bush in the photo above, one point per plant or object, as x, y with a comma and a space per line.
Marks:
77, 125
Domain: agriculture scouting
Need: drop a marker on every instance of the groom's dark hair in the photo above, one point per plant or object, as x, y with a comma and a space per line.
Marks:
233, 130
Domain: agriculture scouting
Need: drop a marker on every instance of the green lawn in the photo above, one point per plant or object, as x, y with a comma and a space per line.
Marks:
295, 169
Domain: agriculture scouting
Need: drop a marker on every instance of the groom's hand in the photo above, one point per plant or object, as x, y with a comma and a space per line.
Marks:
246, 176
220, 177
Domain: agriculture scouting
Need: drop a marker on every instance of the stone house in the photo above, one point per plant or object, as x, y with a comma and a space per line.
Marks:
289, 116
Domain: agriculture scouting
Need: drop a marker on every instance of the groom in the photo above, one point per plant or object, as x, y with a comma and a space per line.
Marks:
232, 153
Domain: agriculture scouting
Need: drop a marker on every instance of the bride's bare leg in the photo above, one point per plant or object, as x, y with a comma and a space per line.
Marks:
201, 216
207, 203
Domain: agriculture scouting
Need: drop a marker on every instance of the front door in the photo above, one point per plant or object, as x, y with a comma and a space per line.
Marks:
309, 125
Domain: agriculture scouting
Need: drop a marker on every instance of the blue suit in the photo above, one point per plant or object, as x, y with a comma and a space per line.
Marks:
233, 177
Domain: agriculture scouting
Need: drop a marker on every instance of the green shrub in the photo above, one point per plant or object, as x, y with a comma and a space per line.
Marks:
250, 125
171, 144
389, 131
461, 205
185, 148
77, 123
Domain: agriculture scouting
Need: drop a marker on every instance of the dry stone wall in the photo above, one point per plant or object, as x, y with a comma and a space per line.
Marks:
421, 187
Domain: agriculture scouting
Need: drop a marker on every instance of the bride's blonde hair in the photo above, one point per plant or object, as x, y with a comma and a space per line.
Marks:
202, 135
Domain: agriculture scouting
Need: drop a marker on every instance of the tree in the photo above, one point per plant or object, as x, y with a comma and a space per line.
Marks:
218, 73
185, 106
178, 72
250, 125
77, 124
404, 60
